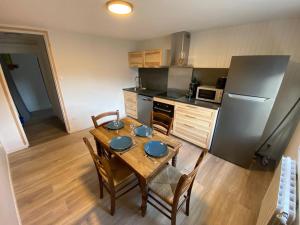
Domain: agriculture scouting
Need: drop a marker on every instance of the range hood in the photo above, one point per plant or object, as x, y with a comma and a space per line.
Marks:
180, 46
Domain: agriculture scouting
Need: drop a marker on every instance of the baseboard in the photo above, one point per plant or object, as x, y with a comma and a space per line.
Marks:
11, 185
17, 149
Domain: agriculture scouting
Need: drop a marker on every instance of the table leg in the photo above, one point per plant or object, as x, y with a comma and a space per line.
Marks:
144, 190
174, 160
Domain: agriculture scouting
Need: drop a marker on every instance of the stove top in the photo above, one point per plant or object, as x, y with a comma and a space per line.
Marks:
173, 94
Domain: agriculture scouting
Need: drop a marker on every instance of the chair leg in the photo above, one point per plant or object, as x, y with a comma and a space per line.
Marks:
173, 217
187, 205
112, 203
99, 148
174, 212
101, 187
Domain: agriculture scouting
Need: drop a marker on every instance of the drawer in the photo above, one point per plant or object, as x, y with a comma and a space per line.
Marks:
193, 120
131, 105
130, 96
189, 136
130, 100
132, 113
188, 129
197, 111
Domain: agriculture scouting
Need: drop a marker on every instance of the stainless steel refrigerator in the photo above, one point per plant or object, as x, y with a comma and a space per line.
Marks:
251, 89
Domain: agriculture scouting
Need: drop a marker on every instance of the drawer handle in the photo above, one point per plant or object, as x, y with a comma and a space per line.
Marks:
190, 106
190, 116
160, 109
188, 125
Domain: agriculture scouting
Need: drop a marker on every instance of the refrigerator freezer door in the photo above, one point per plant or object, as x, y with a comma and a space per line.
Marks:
256, 75
241, 122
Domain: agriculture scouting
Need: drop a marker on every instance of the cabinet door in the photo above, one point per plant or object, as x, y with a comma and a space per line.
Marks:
130, 100
153, 58
194, 124
136, 59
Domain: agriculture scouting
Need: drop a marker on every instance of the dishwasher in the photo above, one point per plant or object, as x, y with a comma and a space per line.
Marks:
145, 105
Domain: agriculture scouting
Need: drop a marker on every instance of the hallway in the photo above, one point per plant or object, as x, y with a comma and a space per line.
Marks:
43, 126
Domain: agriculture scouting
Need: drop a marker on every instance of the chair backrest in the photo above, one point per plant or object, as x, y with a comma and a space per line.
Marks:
161, 120
103, 115
101, 163
186, 180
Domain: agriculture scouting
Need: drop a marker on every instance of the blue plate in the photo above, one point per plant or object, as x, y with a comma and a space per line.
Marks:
156, 148
143, 131
120, 143
115, 125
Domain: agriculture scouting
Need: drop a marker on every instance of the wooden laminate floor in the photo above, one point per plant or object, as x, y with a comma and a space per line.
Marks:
56, 183
42, 127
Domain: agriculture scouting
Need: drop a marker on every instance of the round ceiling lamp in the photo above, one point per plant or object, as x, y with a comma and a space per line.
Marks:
119, 7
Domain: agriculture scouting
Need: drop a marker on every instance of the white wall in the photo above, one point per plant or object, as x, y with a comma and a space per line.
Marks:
29, 82
154, 43
8, 208
214, 48
92, 72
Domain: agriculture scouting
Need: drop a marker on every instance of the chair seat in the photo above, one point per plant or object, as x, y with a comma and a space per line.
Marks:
160, 129
164, 184
120, 172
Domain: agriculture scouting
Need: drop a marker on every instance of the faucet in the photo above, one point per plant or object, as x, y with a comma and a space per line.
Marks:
138, 82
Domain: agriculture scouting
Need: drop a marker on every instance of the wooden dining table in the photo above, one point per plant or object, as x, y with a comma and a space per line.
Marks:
144, 166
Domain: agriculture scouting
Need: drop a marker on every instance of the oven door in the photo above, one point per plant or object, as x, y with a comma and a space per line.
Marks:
163, 108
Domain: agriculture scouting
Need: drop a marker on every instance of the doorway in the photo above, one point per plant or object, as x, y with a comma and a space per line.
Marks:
30, 81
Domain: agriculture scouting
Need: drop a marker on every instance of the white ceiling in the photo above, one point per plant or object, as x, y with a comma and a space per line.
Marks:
151, 18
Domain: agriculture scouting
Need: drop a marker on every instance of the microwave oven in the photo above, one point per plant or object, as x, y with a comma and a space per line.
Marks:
209, 93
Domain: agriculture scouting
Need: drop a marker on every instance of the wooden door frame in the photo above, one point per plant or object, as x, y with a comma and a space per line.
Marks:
44, 33
13, 109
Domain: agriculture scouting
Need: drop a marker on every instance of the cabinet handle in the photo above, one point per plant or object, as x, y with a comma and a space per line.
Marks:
192, 107
164, 110
188, 125
190, 116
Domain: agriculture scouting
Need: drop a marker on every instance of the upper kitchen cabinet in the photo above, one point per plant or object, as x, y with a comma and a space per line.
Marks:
157, 58
136, 59
149, 58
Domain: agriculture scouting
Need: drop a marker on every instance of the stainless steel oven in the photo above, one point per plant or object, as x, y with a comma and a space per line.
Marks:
163, 108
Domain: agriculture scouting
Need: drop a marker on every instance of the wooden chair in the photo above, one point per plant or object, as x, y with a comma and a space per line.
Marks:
113, 175
97, 124
161, 122
173, 188
103, 115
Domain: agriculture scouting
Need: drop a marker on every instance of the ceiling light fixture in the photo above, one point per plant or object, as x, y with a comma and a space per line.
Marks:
119, 7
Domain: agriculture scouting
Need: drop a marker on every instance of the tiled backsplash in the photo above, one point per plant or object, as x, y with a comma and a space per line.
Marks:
209, 76
154, 78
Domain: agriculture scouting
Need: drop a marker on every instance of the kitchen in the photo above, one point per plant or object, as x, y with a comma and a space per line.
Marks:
175, 113
193, 98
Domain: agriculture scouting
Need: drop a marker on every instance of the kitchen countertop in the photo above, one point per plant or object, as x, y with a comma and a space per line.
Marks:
146, 92
158, 94
194, 101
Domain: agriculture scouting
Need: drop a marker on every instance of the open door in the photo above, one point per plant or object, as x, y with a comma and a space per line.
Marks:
11, 131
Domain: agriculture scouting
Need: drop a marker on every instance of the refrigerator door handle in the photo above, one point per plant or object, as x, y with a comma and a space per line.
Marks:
248, 98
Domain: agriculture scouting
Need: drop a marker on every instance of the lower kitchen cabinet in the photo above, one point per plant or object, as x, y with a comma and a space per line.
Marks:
130, 100
194, 123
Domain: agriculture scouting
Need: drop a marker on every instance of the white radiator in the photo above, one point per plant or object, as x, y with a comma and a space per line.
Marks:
279, 204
